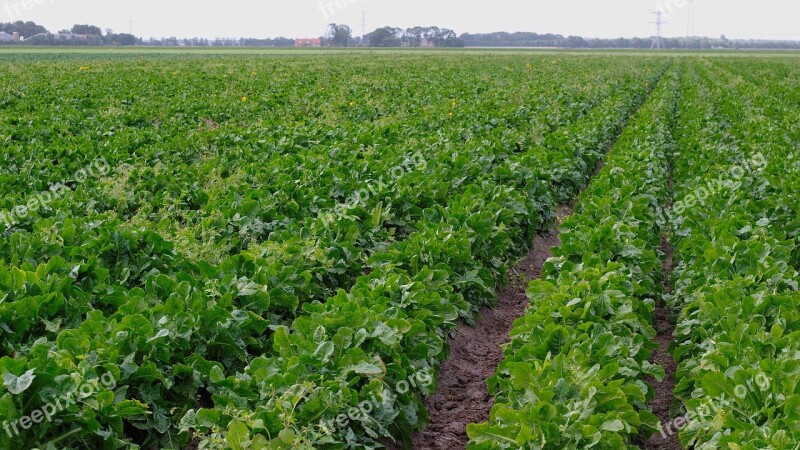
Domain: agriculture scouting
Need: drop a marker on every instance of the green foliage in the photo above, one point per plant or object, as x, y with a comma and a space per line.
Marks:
573, 373
278, 241
736, 284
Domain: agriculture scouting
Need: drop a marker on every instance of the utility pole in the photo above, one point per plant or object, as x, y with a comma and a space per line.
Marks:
363, 27
690, 31
657, 42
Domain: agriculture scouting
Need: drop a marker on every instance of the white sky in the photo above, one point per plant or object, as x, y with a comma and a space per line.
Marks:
765, 19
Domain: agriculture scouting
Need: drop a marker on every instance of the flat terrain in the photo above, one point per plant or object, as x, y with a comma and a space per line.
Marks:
249, 248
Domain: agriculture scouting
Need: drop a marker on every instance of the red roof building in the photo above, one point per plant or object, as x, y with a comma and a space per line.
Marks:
313, 42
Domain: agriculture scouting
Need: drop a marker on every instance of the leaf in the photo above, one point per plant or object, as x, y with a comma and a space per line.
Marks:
365, 369
17, 385
216, 375
161, 333
238, 435
613, 426
324, 351
716, 384
792, 408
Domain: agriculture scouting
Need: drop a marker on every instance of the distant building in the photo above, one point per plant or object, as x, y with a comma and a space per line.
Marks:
425, 42
71, 37
313, 42
5, 37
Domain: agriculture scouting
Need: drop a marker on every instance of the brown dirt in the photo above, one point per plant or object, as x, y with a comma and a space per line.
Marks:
664, 399
600, 164
210, 124
462, 396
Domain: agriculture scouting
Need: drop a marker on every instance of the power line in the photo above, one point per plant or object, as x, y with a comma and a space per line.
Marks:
690, 31
363, 26
658, 41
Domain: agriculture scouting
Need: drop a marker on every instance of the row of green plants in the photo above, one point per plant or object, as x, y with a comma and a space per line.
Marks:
302, 255
90, 291
736, 242
271, 280
574, 371
307, 260
364, 344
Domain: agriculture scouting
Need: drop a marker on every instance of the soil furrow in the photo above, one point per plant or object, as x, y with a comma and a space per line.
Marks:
662, 403
664, 400
462, 396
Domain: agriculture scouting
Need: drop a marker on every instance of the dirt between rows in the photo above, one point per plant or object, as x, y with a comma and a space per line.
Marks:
664, 398
462, 396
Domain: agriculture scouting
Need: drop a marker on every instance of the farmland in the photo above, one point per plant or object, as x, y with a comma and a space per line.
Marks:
278, 250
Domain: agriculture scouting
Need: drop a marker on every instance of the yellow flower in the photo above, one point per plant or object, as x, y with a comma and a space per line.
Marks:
85, 68
352, 104
244, 99
454, 103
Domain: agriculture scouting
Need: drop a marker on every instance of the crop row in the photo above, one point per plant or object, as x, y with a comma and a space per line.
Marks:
736, 242
95, 296
573, 373
291, 257
305, 261
365, 344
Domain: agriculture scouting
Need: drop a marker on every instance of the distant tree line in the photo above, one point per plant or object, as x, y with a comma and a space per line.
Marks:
23, 28
339, 35
414, 37
342, 36
80, 35
559, 41
91, 35
218, 42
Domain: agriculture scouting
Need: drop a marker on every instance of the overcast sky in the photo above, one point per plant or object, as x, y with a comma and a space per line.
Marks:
766, 19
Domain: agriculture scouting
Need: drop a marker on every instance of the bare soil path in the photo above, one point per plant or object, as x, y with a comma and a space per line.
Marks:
664, 399
462, 396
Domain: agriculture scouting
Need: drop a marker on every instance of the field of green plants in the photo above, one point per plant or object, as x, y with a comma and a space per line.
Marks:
271, 251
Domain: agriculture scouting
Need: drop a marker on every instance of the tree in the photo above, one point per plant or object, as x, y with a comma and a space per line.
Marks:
413, 36
339, 35
25, 29
90, 30
122, 39
385, 37
574, 42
